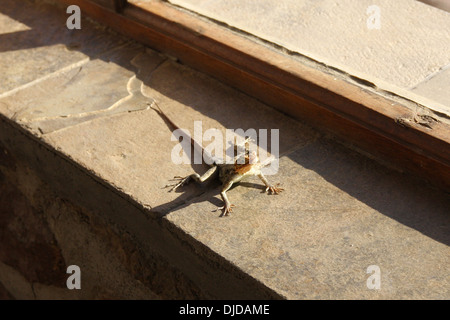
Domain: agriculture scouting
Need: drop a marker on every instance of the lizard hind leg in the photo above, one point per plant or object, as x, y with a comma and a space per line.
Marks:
181, 181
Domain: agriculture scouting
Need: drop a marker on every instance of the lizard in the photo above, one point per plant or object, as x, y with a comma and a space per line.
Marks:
229, 173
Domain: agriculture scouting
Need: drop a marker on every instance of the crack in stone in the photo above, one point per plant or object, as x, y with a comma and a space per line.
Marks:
134, 101
46, 77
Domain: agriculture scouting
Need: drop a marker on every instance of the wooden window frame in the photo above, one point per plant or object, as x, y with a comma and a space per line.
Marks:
383, 127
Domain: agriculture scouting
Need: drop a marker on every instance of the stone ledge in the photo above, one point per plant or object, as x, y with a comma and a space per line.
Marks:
90, 165
124, 251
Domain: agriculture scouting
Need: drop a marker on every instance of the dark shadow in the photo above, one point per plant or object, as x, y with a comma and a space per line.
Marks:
401, 197
207, 191
441, 4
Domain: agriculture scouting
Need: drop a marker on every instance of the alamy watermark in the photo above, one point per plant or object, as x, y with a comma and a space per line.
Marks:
74, 280
237, 142
374, 280
74, 20
374, 19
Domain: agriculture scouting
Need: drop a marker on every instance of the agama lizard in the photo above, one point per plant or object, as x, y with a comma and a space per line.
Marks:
229, 174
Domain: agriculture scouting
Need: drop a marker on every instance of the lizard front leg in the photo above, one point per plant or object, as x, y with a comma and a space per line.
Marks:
195, 176
227, 207
273, 189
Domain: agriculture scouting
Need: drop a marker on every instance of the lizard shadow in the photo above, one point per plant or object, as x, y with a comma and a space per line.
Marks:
198, 168
397, 195
208, 191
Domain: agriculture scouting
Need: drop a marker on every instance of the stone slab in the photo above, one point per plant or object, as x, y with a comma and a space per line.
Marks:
411, 43
38, 47
75, 95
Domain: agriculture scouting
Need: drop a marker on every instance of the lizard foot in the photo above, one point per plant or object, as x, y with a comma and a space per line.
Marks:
226, 209
274, 189
181, 181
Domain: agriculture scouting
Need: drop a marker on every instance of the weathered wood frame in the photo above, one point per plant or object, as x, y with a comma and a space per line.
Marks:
382, 127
